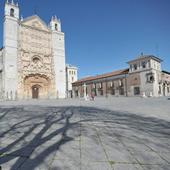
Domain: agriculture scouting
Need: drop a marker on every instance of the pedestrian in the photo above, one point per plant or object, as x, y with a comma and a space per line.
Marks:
92, 97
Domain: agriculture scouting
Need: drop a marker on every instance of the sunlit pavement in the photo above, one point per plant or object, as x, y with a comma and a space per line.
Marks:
105, 134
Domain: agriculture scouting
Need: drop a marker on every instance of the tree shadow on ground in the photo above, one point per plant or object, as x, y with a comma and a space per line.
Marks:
28, 128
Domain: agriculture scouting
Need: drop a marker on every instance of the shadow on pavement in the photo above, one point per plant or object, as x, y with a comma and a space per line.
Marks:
25, 129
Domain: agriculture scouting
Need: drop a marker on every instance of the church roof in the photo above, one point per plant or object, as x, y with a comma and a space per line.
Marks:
37, 18
106, 75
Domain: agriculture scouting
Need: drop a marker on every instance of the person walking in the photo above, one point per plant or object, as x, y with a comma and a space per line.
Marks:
92, 96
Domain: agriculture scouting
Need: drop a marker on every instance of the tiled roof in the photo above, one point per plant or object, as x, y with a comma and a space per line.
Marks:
144, 57
166, 72
113, 73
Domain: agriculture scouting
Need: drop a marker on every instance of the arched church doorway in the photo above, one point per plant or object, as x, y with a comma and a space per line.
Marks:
35, 91
37, 86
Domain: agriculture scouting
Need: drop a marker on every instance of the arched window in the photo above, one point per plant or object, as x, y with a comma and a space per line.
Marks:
56, 27
150, 77
143, 64
135, 66
12, 12
35, 60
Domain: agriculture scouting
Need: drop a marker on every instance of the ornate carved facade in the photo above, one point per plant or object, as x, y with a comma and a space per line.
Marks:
35, 60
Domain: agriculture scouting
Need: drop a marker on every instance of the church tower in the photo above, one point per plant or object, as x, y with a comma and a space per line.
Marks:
10, 44
58, 50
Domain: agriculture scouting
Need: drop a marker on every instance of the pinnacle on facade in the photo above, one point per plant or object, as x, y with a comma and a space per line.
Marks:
12, 2
55, 17
52, 18
22, 18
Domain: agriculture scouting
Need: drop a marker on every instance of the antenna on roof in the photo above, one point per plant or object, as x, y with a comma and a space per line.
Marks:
22, 18
35, 10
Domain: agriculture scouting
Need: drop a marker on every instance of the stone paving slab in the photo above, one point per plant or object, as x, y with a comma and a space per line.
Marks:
96, 166
120, 166
156, 167
147, 157
65, 165
82, 135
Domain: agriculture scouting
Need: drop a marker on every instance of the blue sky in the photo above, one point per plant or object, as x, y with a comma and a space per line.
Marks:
102, 35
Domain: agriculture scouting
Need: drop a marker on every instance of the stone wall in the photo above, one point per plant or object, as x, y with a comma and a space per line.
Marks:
112, 86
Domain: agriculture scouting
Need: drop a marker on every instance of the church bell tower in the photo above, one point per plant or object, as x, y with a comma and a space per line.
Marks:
58, 49
10, 44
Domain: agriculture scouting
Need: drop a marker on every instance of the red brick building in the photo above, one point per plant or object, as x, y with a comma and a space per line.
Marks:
113, 83
144, 77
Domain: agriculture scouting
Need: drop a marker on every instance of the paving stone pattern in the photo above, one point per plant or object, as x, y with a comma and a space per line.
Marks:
80, 135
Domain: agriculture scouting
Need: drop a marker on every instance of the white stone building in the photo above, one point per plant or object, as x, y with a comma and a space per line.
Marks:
32, 60
71, 77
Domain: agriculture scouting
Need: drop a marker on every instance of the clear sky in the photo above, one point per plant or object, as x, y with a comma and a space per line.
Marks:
102, 35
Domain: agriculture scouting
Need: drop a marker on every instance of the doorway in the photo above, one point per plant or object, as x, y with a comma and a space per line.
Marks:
164, 93
136, 90
35, 92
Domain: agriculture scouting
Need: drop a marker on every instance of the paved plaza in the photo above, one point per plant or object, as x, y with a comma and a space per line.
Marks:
106, 134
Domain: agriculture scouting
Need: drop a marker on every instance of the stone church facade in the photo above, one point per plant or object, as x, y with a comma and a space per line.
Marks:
32, 60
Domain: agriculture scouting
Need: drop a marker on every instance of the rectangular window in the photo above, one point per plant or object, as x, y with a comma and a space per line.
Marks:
135, 66
121, 91
159, 92
113, 91
143, 64
76, 93
150, 77
101, 92
136, 90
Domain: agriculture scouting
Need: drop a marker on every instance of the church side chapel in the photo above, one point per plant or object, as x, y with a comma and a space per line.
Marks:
32, 58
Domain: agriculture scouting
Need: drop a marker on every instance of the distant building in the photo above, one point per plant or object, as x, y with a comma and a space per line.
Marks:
32, 60
71, 76
144, 77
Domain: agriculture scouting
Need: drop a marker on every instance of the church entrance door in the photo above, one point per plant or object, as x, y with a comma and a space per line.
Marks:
35, 92
36, 86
